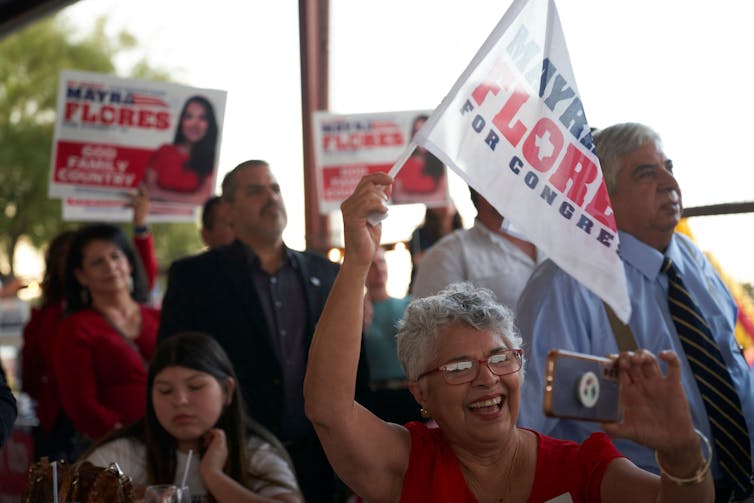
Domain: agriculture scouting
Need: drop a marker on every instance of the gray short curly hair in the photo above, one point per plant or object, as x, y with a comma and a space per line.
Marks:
616, 141
425, 318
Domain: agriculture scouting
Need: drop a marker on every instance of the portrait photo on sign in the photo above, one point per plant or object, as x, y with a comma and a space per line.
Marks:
183, 171
115, 136
423, 177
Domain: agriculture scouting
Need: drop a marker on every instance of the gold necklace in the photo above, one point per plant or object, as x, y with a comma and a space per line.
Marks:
473, 485
510, 471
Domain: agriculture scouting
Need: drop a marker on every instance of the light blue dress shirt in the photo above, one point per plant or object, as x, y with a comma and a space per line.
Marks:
556, 311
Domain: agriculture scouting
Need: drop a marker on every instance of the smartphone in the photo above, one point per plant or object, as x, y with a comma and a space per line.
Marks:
582, 387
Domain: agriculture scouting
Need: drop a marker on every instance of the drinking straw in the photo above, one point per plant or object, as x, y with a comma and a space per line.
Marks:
55, 481
185, 469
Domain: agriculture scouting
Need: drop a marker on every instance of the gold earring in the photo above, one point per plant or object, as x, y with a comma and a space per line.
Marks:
424, 413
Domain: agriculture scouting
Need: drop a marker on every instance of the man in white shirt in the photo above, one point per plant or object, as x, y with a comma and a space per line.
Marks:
485, 255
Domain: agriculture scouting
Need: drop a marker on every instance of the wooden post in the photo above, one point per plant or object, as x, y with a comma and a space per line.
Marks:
314, 17
719, 209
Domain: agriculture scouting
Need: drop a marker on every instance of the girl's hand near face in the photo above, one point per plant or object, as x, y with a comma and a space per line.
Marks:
221, 486
216, 452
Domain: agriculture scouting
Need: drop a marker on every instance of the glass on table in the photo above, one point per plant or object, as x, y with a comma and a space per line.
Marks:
167, 493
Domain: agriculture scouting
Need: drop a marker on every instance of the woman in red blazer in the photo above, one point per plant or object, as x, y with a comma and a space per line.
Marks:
104, 344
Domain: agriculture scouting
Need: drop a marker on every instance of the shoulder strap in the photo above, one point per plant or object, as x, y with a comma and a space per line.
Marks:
622, 332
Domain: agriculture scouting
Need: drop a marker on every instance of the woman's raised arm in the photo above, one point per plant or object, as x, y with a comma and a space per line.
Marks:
370, 455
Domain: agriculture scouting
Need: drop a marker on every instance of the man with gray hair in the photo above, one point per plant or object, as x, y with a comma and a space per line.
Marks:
678, 302
261, 301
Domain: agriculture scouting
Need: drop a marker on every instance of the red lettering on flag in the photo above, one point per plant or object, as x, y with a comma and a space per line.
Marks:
501, 76
504, 118
577, 168
598, 207
543, 145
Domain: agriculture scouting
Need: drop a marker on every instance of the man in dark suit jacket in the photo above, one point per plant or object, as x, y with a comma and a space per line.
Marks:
261, 301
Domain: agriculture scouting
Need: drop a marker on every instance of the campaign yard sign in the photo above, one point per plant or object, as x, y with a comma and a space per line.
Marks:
514, 128
113, 134
349, 146
114, 210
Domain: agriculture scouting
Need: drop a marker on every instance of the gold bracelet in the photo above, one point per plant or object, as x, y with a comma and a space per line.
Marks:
699, 476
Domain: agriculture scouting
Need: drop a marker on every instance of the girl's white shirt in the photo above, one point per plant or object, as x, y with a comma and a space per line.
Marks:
264, 461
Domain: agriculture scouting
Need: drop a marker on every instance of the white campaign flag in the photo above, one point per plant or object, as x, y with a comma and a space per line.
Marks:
513, 127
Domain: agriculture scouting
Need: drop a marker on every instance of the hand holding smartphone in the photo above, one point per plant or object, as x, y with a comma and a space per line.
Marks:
581, 387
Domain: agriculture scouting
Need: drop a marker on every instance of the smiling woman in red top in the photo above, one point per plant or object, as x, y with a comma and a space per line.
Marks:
461, 353
103, 346
181, 171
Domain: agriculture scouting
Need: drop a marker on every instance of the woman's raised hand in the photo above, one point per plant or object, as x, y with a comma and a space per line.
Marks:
361, 237
140, 204
655, 410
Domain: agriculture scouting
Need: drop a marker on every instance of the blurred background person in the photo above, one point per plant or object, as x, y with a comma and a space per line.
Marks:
216, 226
9, 286
103, 346
194, 404
53, 437
392, 400
14, 312
439, 221
182, 171
7, 408
485, 255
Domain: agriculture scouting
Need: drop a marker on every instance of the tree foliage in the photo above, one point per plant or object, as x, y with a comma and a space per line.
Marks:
30, 64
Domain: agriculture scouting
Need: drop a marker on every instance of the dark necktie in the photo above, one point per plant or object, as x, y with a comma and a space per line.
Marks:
729, 431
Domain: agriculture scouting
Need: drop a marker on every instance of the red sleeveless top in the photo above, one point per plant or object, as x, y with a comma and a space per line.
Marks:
563, 467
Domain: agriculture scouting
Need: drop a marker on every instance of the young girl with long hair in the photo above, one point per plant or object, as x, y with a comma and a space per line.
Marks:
194, 404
